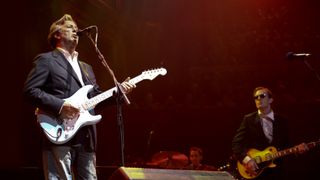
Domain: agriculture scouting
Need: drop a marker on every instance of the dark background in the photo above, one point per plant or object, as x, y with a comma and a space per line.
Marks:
215, 51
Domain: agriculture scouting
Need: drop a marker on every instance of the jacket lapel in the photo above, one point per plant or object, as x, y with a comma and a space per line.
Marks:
259, 128
85, 73
63, 62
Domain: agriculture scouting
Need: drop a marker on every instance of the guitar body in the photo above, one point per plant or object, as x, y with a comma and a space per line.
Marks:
263, 159
60, 131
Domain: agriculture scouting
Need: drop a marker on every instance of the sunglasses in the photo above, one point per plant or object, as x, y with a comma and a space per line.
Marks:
261, 96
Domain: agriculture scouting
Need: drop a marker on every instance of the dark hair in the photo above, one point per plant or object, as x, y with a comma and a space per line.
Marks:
199, 150
262, 88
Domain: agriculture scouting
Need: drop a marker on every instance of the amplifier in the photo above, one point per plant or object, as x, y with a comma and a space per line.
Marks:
127, 173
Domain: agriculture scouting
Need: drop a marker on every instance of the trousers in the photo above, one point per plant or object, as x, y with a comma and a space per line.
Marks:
68, 163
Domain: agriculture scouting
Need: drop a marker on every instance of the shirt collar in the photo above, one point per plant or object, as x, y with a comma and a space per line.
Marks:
270, 114
67, 54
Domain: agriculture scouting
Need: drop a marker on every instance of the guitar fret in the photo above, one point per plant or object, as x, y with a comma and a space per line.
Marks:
288, 151
99, 98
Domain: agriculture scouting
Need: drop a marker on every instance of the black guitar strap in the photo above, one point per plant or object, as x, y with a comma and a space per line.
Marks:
93, 144
85, 72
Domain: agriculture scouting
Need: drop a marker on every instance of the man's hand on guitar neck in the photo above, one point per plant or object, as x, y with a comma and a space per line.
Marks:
68, 111
302, 148
127, 85
250, 165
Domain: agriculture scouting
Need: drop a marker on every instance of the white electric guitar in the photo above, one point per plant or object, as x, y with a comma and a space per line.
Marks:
60, 131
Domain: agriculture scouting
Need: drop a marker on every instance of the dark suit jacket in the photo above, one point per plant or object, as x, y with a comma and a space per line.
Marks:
250, 135
53, 79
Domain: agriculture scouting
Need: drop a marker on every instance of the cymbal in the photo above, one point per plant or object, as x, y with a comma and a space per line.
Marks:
169, 159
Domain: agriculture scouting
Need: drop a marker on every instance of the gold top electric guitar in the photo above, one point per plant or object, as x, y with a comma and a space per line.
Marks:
264, 159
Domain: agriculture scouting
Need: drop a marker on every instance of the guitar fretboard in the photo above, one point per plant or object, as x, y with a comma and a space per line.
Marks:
151, 74
91, 103
293, 150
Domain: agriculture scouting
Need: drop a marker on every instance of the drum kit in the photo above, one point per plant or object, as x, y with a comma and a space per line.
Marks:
168, 160
177, 160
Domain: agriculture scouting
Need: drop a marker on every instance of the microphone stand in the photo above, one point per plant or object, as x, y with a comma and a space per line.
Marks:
311, 68
119, 93
148, 146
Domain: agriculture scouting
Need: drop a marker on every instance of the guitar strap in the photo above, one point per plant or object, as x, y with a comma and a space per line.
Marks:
93, 144
85, 72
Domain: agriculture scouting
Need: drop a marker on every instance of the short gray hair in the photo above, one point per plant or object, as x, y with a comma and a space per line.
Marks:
55, 27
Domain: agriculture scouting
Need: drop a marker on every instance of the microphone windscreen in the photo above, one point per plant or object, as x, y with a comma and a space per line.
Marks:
290, 55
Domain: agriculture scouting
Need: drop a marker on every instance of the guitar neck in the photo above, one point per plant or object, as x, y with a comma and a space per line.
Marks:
293, 150
91, 103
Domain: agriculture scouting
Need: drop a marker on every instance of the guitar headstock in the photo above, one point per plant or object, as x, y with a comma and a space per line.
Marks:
151, 74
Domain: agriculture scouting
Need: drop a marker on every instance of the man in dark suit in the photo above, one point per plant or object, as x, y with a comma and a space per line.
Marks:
260, 130
56, 75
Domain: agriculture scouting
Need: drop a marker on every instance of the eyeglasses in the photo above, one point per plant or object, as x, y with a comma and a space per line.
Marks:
261, 96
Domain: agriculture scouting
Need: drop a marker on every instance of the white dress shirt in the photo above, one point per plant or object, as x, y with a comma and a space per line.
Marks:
267, 124
73, 60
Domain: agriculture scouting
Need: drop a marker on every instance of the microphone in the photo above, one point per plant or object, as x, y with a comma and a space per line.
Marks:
85, 30
291, 55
